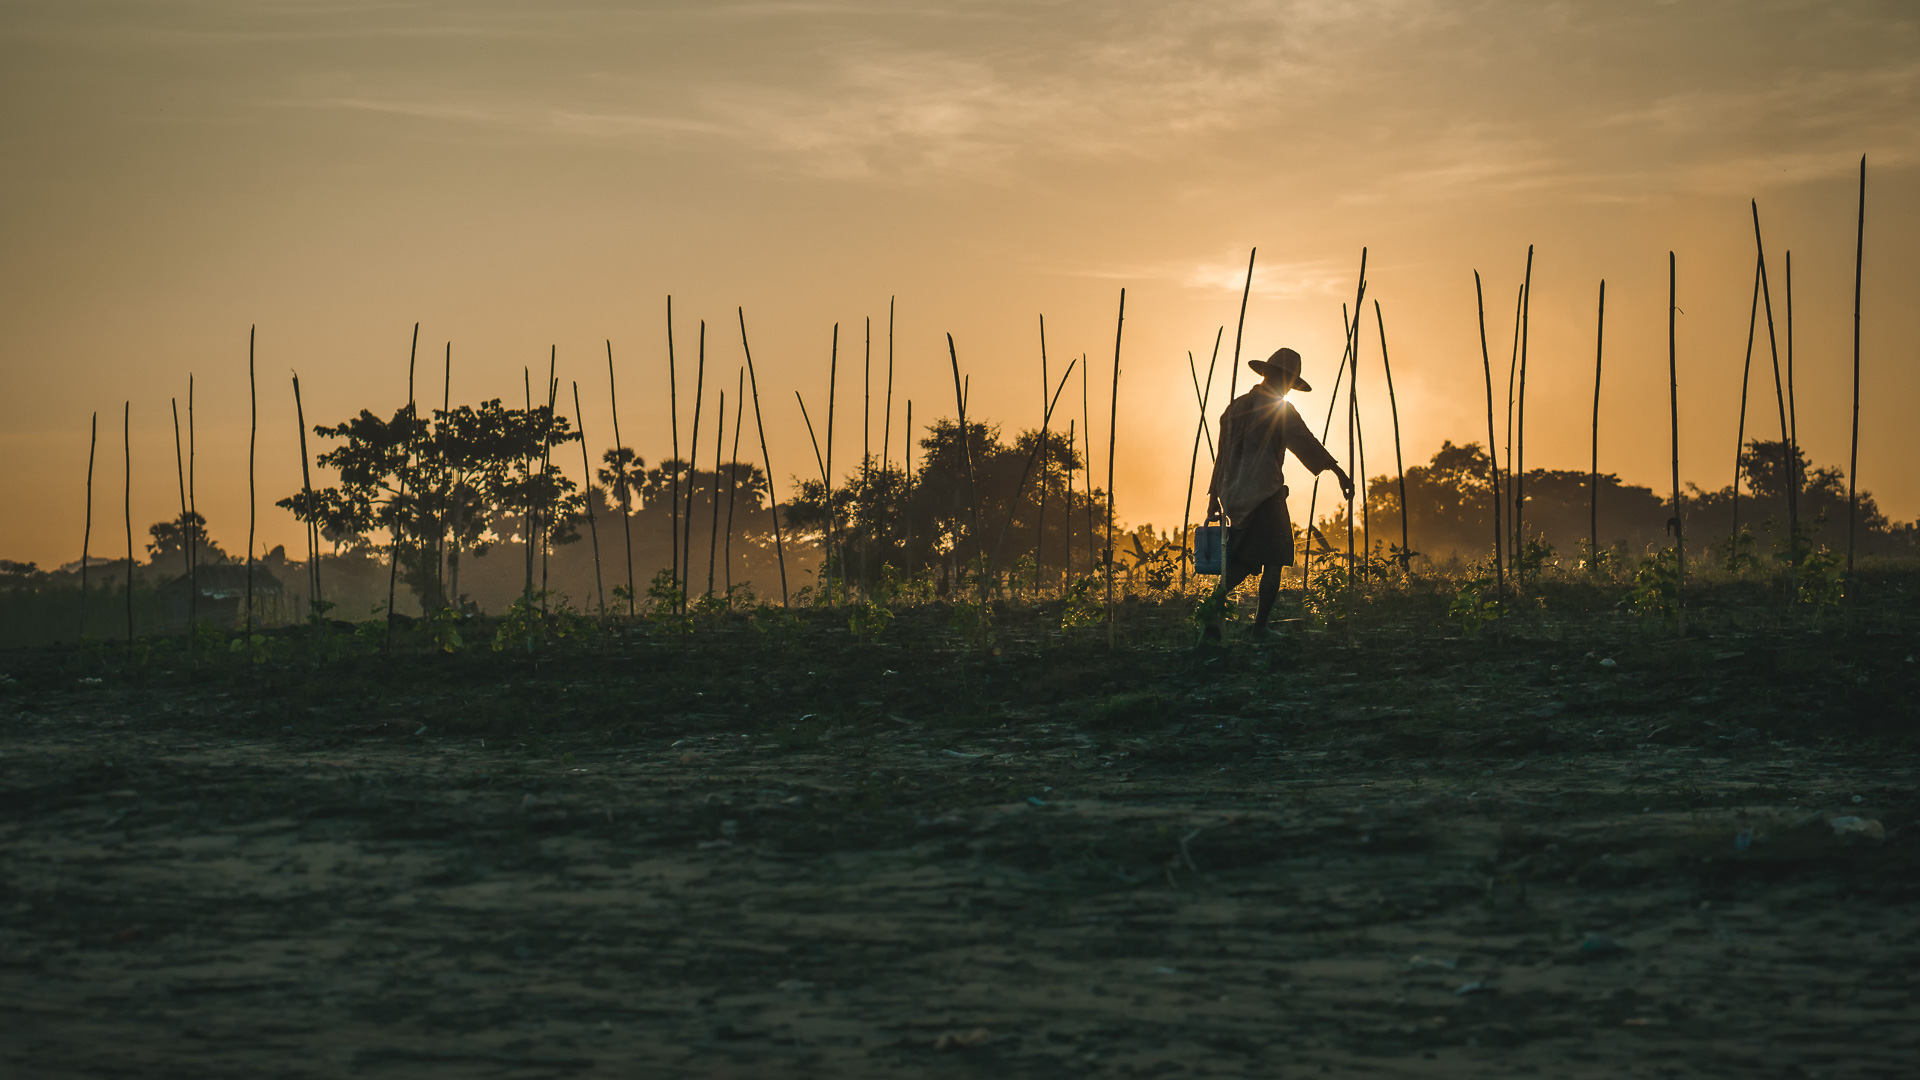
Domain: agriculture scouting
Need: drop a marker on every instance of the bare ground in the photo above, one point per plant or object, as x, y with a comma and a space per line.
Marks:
1311, 858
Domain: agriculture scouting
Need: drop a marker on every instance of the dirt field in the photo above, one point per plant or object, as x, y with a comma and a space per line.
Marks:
1591, 853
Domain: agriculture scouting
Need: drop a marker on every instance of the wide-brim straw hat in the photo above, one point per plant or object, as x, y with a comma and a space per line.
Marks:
1282, 362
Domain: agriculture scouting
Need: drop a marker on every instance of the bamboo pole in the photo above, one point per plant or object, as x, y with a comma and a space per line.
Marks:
1347, 330
192, 538
1353, 388
886, 428
86, 537
713, 530
1013, 508
393, 550
1113, 420
1406, 550
1780, 403
966, 453
253, 432
1067, 574
548, 427
693, 460
440, 511
907, 499
1740, 433
866, 444
620, 475
126, 502
180, 477
1493, 460
1202, 397
833, 533
759, 422
593, 526
1520, 433
1793, 415
1593, 471
1853, 454
1246, 291
673, 406
1673, 403
733, 473
1513, 378
1086, 433
529, 511
826, 531
316, 603
1046, 413
1193, 465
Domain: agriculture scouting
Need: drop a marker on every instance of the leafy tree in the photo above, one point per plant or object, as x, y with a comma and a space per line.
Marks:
170, 539
461, 482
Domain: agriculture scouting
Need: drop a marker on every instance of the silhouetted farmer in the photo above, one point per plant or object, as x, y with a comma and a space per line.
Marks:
1256, 431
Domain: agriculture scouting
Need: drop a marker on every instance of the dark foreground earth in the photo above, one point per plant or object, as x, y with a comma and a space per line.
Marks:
1588, 850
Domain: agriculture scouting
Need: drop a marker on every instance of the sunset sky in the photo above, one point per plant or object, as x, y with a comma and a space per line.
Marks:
515, 176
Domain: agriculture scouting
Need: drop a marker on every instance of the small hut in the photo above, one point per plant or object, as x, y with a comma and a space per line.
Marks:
223, 595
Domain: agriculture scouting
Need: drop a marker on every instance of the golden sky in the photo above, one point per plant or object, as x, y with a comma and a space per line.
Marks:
514, 176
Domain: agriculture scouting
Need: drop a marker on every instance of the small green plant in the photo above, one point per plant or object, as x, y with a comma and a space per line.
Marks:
1084, 604
1656, 585
666, 605
1738, 552
868, 619
973, 620
1822, 580
1477, 600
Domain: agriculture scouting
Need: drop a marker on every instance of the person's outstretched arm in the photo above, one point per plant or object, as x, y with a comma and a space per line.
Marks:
1314, 456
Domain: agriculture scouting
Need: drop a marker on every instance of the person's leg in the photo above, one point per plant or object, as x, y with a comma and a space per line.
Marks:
1213, 610
1269, 592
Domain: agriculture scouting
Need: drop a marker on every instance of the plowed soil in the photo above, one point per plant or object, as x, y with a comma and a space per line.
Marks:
1599, 852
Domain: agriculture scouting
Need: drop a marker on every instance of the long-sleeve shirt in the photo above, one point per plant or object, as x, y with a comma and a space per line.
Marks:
1256, 431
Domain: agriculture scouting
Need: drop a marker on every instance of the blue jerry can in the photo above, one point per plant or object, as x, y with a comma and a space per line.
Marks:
1209, 549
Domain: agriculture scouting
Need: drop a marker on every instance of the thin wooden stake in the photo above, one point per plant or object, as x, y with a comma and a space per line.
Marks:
1086, 433
1046, 412
1353, 389
693, 460
1780, 402
886, 428
1493, 460
393, 550
1406, 550
316, 601
759, 422
1740, 433
1593, 471
733, 473
253, 434
907, 499
193, 540
713, 530
1113, 420
1853, 455
1246, 291
966, 453
126, 437
86, 537
548, 426
1520, 434
1673, 401
180, 477
1193, 458
620, 476
593, 526
833, 533
673, 406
